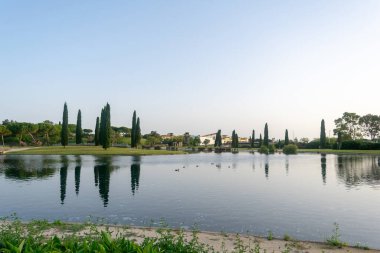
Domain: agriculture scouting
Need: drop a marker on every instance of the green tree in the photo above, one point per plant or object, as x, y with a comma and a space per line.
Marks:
4, 131
370, 125
266, 135
218, 139
348, 126
253, 139
286, 137
133, 131
46, 129
78, 131
322, 139
235, 140
65, 127
138, 132
102, 127
107, 127
97, 130
260, 141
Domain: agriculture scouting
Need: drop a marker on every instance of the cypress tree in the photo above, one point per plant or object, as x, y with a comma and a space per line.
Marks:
107, 127
260, 141
236, 140
218, 139
266, 135
253, 139
102, 127
97, 132
65, 127
322, 138
133, 130
78, 131
286, 137
233, 139
138, 132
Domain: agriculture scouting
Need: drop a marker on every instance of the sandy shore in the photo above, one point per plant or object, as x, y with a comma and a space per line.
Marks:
221, 242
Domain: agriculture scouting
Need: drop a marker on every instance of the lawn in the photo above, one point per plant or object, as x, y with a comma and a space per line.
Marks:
92, 150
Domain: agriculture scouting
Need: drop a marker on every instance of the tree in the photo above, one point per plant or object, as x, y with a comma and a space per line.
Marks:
266, 135
78, 132
322, 139
107, 127
138, 132
45, 129
102, 126
4, 131
97, 130
235, 140
133, 132
253, 139
218, 139
370, 125
286, 137
348, 126
65, 127
260, 141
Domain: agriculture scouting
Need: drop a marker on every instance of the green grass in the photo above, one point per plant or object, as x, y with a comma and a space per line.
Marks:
334, 151
92, 150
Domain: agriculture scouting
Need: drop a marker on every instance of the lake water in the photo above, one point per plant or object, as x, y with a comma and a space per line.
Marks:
301, 195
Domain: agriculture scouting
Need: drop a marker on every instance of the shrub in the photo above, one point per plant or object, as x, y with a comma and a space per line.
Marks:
272, 149
263, 150
290, 149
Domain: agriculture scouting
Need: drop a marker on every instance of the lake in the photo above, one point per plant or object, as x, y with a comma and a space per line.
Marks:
301, 195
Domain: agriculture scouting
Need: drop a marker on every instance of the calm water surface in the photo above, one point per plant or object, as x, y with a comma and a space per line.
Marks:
300, 195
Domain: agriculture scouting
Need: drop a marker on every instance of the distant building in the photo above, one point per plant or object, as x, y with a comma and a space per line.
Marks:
167, 136
208, 139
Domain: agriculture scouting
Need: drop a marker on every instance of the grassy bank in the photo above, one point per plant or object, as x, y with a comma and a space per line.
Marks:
43, 236
334, 151
91, 150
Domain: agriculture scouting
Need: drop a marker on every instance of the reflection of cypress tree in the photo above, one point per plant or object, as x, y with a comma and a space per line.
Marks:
77, 179
323, 166
102, 177
63, 178
135, 177
96, 173
266, 170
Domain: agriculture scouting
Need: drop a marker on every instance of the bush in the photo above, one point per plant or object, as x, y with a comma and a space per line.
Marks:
272, 149
290, 149
263, 150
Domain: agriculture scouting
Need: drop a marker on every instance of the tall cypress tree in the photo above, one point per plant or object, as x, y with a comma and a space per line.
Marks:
266, 135
233, 139
260, 141
102, 127
107, 127
138, 132
218, 139
65, 127
236, 140
322, 138
286, 137
78, 130
133, 130
253, 139
97, 132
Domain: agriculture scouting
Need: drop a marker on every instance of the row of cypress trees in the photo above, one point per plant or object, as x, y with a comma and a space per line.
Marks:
65, 127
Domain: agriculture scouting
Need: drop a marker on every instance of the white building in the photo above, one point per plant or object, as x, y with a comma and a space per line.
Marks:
208, 139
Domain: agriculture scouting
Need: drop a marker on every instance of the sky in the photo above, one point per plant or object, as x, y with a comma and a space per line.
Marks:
191, 66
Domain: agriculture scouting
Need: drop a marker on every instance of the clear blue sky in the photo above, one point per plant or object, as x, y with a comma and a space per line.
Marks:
194, 66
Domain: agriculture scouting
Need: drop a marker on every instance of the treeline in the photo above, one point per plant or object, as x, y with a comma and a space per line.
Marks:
48, 133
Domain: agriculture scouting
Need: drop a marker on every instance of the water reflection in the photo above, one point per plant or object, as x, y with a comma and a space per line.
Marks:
26, 169
356, 170
102, 171
63, 177
323, 167
287, 164
135, 174
266, 166
77, 174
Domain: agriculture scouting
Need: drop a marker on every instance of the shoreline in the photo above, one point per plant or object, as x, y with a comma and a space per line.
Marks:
219, 241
